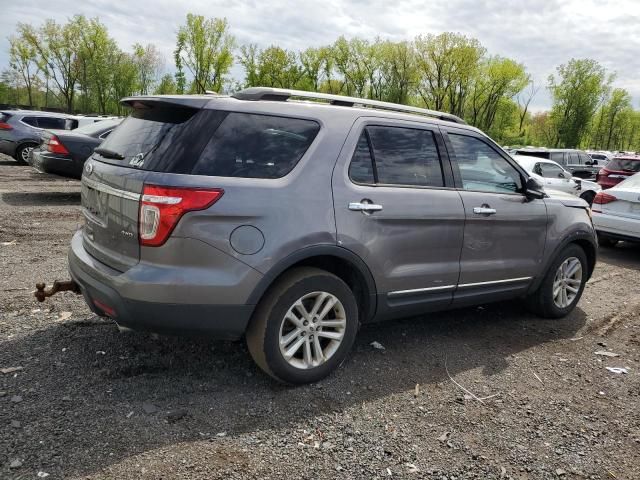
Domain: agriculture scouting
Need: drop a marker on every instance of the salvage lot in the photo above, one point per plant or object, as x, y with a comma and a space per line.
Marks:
91, 402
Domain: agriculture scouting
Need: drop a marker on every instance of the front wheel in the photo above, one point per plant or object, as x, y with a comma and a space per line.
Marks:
562, 285
304, 327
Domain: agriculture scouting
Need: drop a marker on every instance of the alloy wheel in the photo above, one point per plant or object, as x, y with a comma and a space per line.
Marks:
567, 282
312, 330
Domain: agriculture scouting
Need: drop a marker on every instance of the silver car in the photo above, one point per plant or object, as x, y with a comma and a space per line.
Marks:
20, 130
293, 222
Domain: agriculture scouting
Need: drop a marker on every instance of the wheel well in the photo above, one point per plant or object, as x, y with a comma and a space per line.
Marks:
590, 252
349, 274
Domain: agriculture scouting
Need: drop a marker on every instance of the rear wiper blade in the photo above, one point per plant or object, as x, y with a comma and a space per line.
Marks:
106, 153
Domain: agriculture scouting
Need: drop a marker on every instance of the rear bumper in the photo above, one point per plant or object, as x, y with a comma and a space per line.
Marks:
58, 164
8, 147
616, 227
105, 292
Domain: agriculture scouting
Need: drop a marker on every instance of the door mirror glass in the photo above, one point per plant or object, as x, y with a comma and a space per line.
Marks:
561, 175
534, 190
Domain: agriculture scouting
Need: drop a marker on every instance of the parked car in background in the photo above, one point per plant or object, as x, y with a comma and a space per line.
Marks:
185, 231
618, 169
602, 157
63, 152
579, 163
555, 177
20, 130
616, 212
77, 121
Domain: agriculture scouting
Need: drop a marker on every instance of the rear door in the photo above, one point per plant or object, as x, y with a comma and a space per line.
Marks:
396, 208
504, 234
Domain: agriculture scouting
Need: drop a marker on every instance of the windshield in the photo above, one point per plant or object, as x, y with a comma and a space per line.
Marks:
97, 128
624, 164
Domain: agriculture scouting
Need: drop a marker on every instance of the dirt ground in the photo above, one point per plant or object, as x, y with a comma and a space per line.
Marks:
487, 393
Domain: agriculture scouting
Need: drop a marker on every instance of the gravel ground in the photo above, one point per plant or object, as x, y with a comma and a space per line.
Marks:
489, 392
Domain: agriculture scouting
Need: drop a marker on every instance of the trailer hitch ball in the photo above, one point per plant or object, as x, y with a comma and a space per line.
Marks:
58, 286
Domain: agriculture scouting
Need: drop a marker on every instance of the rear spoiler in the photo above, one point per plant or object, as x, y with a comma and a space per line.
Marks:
148, 101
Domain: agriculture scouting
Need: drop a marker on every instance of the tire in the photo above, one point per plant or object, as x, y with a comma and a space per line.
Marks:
272, 323
606, 242
542, 301
22, 153
588, 197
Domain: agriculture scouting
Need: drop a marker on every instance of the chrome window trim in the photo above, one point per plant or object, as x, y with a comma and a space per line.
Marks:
110, 190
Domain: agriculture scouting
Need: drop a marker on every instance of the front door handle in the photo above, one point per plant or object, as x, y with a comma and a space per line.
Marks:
484, 210
365, 206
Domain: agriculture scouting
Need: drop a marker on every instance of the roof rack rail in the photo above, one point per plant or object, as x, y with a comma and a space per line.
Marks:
281, 94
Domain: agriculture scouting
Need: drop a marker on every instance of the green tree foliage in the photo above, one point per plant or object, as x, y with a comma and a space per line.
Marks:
576, 90
205, 48
166, 86
22, 60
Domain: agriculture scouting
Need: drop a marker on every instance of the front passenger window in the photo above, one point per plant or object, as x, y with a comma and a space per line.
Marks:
482, 168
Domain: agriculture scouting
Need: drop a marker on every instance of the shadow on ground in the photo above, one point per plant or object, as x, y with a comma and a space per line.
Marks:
624, 254
82, 379
45, 199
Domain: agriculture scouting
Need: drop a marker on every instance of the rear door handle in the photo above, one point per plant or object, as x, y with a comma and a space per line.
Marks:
484, 210
365, 207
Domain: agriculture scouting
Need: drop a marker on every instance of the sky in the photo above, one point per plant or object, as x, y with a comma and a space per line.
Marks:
542, 34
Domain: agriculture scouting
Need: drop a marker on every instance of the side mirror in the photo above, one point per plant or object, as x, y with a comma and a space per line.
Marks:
561, 175
533, 189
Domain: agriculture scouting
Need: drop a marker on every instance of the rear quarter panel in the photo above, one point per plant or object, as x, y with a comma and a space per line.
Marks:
289, 213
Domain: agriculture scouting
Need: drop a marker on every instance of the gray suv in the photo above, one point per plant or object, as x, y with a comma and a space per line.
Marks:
293, 222
20, 130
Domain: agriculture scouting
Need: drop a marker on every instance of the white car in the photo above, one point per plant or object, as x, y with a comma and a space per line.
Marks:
616, 212
555, 177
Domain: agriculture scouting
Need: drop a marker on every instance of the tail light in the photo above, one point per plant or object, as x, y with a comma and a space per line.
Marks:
602, 198
5, 126
55, 146
162, 207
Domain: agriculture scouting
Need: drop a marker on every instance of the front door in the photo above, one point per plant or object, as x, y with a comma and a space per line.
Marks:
505, 233
555, 177
396, 208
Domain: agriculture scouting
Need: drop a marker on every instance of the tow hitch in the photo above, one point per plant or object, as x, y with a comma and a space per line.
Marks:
58, 286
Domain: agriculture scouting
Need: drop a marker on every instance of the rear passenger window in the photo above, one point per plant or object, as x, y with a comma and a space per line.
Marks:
401, 156
256, 146
51, 122
30, 121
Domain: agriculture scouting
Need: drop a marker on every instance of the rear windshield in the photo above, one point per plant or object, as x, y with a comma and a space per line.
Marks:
4, 116
624, 164
211, 142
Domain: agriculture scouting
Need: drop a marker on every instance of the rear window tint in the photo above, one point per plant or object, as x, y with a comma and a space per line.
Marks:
256, 146
52, 122
210, 142
624, 164
33, 121
403, 156
4, 117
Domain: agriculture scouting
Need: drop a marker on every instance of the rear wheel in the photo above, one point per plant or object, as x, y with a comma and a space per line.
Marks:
304, 327
23, 152
562, 285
